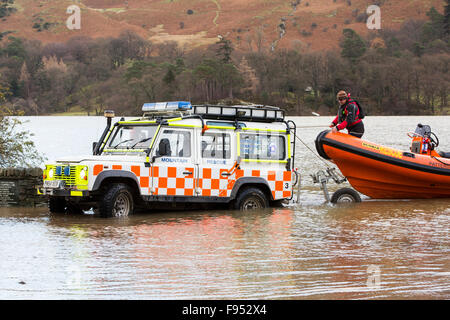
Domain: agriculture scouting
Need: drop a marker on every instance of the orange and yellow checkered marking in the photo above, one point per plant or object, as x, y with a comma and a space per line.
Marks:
182, 181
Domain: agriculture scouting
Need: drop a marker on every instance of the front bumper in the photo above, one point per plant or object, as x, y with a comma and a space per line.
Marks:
61, 192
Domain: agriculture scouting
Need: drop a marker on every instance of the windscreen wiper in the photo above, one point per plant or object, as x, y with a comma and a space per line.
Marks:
143, 140
115, 147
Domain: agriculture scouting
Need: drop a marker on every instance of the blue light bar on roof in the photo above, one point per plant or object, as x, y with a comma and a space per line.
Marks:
166, 106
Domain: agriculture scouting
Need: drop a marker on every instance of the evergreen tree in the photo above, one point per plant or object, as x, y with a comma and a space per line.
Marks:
170, 76
15, 48
353, 47
433, 29
224, 50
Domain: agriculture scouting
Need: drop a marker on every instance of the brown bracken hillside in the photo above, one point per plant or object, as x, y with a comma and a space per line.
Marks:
249, 24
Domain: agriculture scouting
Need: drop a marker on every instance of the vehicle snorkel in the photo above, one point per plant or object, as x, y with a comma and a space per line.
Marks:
109, 114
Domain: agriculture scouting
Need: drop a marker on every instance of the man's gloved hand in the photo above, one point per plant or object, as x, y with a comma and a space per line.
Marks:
332, 125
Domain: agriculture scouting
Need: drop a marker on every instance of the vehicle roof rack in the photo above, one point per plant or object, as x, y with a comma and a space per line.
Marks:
254, 112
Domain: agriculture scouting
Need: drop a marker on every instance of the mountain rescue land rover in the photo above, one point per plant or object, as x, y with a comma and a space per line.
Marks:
241, 156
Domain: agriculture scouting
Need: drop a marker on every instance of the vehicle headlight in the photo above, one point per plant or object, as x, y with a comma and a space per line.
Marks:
83, 173
51, 172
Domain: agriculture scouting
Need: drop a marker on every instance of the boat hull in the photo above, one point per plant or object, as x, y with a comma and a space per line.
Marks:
385, 173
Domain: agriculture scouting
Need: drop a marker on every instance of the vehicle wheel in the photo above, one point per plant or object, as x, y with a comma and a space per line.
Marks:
117, 201
345, 195
251, 198
57, 204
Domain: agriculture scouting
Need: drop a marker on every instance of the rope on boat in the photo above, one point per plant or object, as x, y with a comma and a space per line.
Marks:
323, 160
447, 164
322, 176
305, 127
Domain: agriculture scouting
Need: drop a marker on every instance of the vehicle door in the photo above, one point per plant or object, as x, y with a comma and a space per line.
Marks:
216, 163
173, 167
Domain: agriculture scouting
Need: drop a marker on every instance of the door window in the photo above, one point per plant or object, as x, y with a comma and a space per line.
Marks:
179, 143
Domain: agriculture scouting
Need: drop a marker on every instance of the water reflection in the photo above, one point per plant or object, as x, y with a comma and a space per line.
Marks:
298, 252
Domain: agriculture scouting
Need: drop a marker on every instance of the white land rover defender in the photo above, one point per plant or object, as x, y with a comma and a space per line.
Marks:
242, 156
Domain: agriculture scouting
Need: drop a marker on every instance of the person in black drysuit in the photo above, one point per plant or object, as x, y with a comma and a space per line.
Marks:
348, 116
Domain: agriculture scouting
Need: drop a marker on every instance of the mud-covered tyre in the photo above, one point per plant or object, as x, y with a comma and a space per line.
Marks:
117, 201
57, 204
251, 198
345, 195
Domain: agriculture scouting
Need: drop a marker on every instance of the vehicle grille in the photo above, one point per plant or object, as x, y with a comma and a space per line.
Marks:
69, 180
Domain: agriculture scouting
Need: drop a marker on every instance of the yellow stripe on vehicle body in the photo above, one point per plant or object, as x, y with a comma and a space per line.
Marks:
262, 160
259, 129
124, 150
106, 138
137, 122
154, 136
238, 143
197, 126
175, 119
289, 145
184, 125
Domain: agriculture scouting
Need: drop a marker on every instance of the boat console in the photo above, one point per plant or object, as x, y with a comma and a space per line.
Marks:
424, 141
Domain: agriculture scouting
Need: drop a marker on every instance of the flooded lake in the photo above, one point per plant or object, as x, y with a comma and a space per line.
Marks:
310, 250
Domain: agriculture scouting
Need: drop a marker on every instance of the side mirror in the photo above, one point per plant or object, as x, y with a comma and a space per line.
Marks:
94, 144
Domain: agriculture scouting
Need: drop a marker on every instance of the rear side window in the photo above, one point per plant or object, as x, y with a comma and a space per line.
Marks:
216, 146
262, 146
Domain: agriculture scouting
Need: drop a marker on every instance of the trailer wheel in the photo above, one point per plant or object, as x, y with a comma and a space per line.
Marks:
57, 204
345, 195
251, 198
117, 201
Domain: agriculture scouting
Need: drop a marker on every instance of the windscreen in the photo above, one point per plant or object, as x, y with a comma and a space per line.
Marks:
131, 138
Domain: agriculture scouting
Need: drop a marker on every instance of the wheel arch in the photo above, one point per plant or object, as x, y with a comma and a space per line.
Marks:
248, 182
117, 176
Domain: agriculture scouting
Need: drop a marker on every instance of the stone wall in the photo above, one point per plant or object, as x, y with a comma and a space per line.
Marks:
18, 187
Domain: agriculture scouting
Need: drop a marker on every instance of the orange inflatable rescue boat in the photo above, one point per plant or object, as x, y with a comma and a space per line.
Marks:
386, 173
